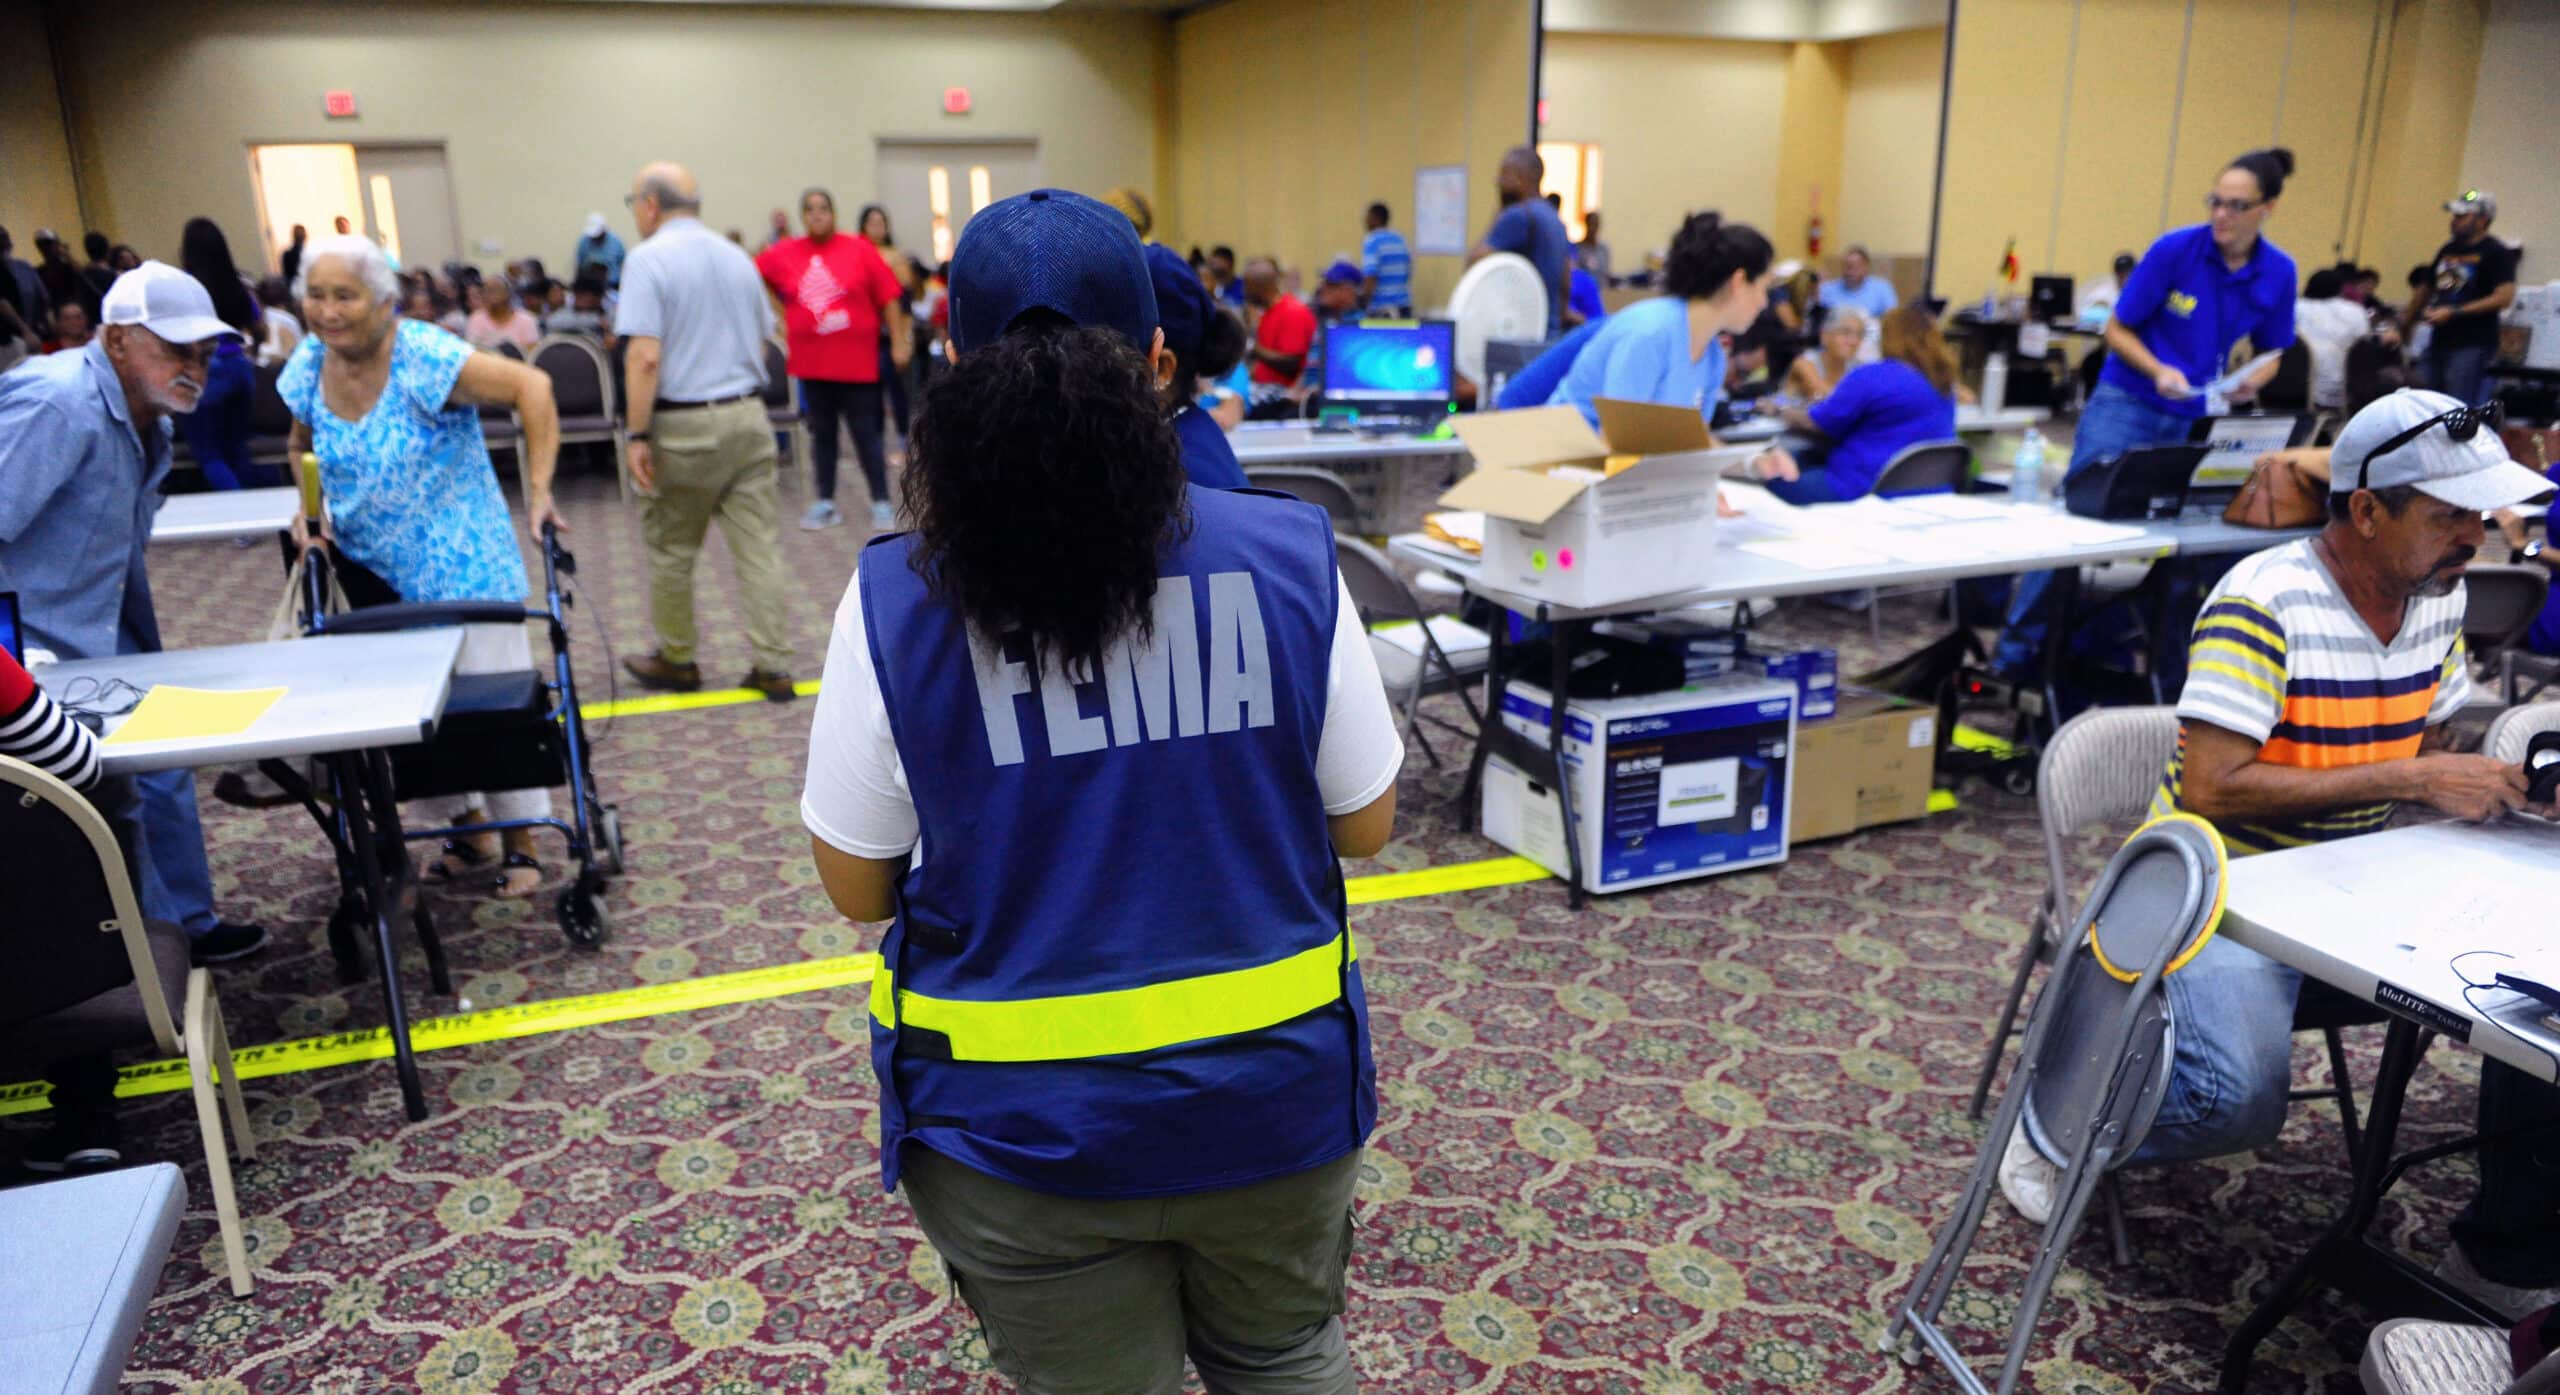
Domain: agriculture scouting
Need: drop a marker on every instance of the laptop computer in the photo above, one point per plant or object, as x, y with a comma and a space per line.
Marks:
1392, 374
2049, 298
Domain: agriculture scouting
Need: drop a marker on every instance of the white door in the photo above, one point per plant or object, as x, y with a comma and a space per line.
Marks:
408, 200
931, 188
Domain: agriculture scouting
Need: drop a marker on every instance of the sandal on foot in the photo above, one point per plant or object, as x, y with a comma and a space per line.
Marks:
458, 861
514, 862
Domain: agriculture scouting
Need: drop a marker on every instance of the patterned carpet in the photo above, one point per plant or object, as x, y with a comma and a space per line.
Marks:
1694, 1139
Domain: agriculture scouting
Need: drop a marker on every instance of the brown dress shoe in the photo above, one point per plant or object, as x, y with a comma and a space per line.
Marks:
775, 686
654, 671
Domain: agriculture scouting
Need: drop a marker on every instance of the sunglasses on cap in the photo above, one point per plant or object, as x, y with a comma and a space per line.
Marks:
2462, 423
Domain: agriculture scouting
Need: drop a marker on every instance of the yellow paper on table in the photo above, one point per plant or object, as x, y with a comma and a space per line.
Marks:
177, 714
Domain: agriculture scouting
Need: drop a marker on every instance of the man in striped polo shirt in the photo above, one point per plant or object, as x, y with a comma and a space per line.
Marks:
2320, 679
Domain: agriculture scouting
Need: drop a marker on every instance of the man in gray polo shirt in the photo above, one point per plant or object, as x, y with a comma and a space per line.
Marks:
695, 316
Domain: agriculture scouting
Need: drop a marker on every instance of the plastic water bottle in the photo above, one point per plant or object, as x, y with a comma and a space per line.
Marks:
2026, 477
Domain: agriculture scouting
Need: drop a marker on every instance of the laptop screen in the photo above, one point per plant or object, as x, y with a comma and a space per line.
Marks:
9, 637
1407, 364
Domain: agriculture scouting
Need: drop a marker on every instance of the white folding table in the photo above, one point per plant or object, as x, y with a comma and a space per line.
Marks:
2411, 920
347, 700
1970, 420
225, 513
1372, 466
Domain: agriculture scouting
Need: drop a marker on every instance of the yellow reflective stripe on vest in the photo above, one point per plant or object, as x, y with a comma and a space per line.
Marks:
1123, 1020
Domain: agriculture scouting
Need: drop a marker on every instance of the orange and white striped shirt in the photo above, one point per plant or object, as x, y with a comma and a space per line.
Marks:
2281, 657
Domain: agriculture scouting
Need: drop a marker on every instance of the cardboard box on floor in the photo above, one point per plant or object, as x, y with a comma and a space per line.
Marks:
1870, 764
1585, 518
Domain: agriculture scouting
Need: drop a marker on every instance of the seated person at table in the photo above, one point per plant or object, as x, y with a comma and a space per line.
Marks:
1842, 442
1814, 375
2324, 671
1284, 333
392, 408
1206, 342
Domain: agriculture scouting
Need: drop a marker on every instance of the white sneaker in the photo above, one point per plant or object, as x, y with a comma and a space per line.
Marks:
2455, 1269
2027, 1179
883, 518
822, 514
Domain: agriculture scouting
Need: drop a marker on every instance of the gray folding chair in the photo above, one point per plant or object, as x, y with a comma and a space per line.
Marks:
71, 992
2516, 727
1382, 596
2413, 1356
782, 405
582, 387
2100, 771
2091, 1076
2502, 603
1322, 488
1917, 468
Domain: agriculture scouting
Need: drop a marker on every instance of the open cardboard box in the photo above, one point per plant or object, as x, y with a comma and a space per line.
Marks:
1585, 518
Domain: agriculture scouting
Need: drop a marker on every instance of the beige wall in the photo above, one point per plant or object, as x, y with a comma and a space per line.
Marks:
36, 189
1683, 125
2509, 153
2082, 127
1811, 129
545, 110
1291, 116
1889, 143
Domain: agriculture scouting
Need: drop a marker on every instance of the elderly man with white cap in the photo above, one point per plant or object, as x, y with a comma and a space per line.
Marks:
2322, 677
84, 443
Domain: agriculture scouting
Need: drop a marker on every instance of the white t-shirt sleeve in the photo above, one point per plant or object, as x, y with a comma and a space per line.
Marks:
1361, 750
856, 797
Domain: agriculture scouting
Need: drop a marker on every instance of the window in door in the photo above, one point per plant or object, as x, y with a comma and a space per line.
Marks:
1573, 176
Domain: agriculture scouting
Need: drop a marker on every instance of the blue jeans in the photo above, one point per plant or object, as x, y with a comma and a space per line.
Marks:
2232, 1071
2460, 371
2115, 421
217, 431
177, 885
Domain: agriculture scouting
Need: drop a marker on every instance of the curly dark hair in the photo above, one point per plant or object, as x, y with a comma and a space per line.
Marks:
1046, 488
1707, 251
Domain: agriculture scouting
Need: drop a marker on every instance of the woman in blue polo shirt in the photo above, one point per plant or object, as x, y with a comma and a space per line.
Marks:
1842, 442
2192, 298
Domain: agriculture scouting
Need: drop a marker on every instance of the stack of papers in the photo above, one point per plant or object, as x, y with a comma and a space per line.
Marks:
186, 714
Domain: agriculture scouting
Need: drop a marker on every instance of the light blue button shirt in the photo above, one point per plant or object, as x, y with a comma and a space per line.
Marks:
698, 294
78, 490
1873, 296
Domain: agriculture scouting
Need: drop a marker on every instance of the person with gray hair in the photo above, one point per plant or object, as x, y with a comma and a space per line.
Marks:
695, 316
390, 408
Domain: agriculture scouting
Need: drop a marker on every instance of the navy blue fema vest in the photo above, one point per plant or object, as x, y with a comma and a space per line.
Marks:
1121, 965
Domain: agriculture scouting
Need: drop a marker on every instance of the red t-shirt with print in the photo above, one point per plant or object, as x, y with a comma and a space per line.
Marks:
1288, 329
832, 296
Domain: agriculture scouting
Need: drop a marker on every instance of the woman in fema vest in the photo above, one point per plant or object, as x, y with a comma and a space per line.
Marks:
1094, 739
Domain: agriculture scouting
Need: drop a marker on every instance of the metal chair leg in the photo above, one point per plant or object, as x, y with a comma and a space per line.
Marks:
2117, 1239
2008, 1024
2346, 1095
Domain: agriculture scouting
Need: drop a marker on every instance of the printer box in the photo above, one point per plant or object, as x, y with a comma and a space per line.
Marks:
1666, 787
1816, 674
1584, 518
1872, 763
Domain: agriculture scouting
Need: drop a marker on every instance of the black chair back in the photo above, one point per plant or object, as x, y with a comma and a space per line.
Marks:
777, 375
268, 416
506, 348
577, 374
2290, 389
1926, 466
620, 360
57, 918
2499, 604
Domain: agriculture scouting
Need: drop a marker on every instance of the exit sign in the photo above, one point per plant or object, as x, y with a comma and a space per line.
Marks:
339, 105
955, 101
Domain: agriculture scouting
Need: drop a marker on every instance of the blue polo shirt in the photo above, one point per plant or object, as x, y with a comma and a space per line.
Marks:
1533, 230
1873, 296
1383, 254
79, 486
2188, 308
1641, 354
1877, 410
1207, 459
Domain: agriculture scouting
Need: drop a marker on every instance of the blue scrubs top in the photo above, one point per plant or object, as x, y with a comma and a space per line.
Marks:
1641, 354
2188, 308
1877, 410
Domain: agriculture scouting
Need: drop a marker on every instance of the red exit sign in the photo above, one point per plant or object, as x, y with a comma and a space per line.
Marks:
955, 101
339, 105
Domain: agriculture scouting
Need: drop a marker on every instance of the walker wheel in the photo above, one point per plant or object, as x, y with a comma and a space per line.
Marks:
582, 915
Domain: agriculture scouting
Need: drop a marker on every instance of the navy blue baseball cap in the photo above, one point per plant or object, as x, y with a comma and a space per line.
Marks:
1182, 303
1051, 250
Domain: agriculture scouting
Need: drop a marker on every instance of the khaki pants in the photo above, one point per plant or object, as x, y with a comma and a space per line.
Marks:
716, 462
1083, 1297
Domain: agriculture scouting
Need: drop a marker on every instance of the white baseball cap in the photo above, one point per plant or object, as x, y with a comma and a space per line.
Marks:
595, 225
166, 301
2473, 201
2471, 474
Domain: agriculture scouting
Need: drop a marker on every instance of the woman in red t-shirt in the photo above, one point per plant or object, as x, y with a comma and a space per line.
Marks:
837, 295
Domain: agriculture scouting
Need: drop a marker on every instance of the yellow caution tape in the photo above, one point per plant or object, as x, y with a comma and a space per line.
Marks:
682, 702
1440, 881
486, 1025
